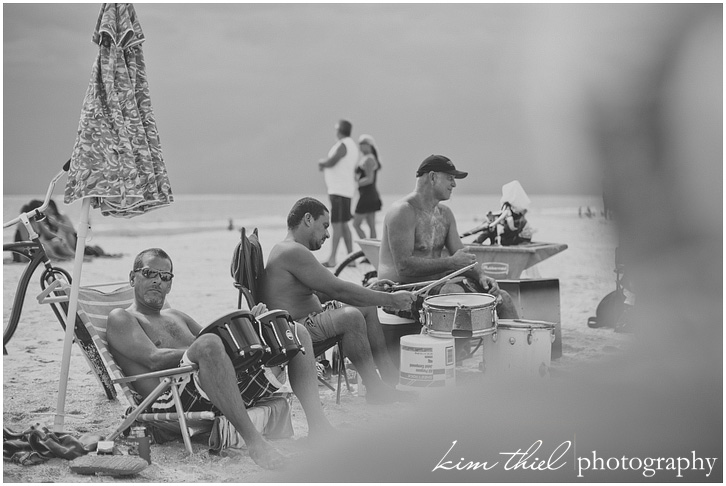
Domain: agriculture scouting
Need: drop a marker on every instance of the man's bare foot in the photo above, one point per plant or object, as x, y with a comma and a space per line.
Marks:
267, 456
329, 264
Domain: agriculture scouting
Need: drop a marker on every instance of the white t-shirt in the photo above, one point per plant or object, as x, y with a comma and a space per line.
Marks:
340, 179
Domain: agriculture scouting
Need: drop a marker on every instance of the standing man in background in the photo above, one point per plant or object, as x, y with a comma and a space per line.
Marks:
338, 169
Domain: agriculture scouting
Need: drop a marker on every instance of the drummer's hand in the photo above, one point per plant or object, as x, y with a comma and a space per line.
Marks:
381, 285
489, 285
402, 299
463, 258
258, 309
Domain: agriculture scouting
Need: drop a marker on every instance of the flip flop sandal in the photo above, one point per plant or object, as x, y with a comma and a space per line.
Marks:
108, 465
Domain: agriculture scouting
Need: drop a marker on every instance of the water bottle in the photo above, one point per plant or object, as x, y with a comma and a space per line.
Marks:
140, 443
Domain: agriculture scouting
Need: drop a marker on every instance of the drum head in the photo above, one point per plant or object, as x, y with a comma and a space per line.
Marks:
272, 315
525, 325
226, 319
450, 301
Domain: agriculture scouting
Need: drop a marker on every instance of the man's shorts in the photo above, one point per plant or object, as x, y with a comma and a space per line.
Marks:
253, 386
320, 324
340, 209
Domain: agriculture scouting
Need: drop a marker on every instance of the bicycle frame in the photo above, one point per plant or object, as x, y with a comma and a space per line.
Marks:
34, 251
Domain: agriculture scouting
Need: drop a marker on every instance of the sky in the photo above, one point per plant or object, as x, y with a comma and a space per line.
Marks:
246, 96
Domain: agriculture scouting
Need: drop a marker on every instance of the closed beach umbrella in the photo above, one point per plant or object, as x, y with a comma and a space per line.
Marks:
513, 193
117, 160
116, 163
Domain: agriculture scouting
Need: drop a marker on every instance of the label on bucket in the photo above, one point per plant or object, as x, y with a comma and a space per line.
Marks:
423, 366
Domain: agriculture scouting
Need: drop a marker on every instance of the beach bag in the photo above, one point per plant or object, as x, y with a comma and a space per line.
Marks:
248, 263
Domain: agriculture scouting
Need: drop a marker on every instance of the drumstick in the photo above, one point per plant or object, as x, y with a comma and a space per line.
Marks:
444, 279
409, 286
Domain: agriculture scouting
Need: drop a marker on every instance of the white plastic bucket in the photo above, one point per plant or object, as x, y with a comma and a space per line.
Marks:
426, 362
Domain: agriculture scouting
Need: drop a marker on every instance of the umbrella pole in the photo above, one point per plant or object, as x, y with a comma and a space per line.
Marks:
71, 316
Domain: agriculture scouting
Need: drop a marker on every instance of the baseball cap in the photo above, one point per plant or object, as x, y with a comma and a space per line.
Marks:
439, 163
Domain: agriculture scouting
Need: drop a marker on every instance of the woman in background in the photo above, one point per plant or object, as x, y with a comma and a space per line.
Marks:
56, 247
63, 226
366, 173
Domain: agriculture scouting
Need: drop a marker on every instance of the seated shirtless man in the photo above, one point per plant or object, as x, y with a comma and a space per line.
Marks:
147, 337
416, 231
293, 276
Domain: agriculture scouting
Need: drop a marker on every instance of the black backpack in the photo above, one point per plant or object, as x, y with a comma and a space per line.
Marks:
247, 267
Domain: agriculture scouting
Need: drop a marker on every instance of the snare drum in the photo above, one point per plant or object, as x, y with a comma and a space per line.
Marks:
240, 338
519, 348
460, 315
280, 335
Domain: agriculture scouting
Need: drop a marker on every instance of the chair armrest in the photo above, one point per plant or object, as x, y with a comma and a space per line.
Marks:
159, 374
45, 298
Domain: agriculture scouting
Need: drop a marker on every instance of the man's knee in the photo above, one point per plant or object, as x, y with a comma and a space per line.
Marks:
452, 288
206, 347
350, 319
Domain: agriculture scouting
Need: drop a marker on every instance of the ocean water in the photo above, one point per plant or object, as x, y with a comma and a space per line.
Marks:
210, 212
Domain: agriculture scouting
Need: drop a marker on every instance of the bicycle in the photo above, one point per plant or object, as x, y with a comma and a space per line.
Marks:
34, 252
356, 268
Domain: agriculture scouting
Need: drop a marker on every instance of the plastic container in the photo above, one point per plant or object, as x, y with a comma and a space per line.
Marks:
426, 362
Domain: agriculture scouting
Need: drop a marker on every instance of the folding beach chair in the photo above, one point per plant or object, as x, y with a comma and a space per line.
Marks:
246, 269
271, 417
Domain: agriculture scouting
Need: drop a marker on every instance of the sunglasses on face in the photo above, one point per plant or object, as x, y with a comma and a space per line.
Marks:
147, 272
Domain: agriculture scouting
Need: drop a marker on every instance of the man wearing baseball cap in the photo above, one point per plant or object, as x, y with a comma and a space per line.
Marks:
416, 231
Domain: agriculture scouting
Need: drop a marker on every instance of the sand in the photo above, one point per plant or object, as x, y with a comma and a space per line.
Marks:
203, 288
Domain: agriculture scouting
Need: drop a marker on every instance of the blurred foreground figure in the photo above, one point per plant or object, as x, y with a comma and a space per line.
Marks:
652, 94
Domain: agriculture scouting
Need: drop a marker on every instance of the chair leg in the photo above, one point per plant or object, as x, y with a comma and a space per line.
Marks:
321, 380
131, 418
182, 419
342, 365
337, 393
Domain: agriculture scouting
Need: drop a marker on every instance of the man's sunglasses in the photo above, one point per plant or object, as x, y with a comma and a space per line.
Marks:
151, 273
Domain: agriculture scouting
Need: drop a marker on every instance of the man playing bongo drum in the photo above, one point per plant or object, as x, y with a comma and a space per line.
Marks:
295, 281
147, 337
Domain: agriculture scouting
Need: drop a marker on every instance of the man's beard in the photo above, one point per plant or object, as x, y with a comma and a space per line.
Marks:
154, 300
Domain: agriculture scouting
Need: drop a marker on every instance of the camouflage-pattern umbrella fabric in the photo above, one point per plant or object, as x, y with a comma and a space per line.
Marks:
117, 159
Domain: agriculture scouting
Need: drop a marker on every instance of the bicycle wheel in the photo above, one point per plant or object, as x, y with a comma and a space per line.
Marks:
14, 297
50, 275
356, 268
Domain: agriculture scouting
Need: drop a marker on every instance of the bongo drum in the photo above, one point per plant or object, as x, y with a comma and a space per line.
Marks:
278, 331
241, 342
